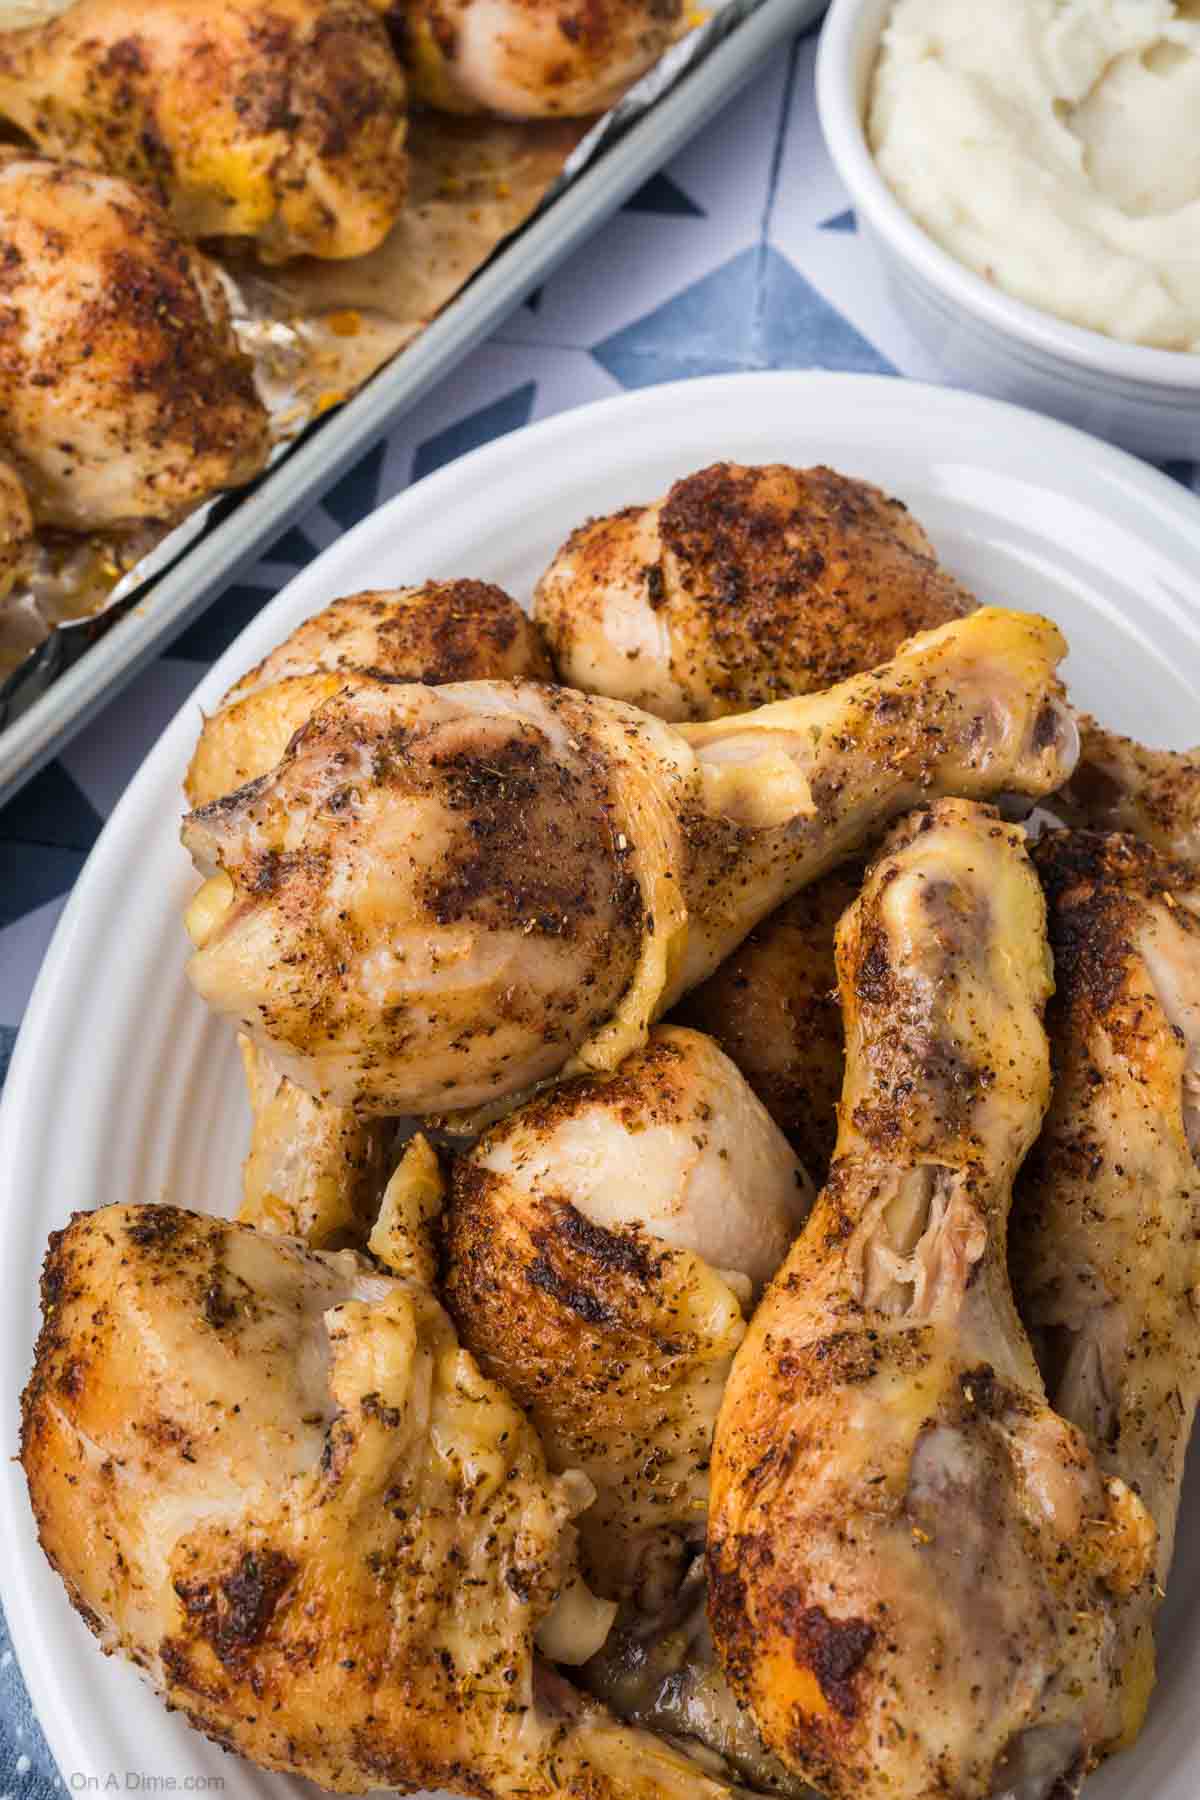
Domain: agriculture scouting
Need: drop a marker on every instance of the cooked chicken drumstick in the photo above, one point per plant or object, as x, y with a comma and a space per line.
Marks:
601, 1244
1106, 1232
316, 1171
744, 585
1120, 785
529, 59
273, 1479
438, 632
773, 1008
918, 1572
282, 123
123, 394
443, 895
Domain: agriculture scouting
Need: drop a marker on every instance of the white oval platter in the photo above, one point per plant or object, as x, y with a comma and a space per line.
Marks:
122, 1087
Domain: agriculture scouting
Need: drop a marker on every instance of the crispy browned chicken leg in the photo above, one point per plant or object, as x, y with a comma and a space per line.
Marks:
123, 394
273, 1479
316, 1170
744, 585
277, 120
1121, 785
441, 896
529, 59
1106, 1232
603, 1245
439, 632
919, 1572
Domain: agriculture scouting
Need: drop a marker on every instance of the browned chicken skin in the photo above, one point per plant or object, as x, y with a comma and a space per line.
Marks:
1105, 1249
525, 876
1121, 785
529, 59
773, 1007
123, 394
316, 1171
744, 585
603, 1244
919, 1573
438, 632
277, 120
16, 529
273, 1479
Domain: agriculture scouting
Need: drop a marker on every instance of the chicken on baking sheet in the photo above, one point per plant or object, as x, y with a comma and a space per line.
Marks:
319, 208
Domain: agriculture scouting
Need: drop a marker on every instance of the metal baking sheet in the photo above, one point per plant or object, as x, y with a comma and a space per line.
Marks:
245, 524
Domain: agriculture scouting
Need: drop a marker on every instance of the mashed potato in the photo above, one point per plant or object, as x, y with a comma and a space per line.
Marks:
1054, 147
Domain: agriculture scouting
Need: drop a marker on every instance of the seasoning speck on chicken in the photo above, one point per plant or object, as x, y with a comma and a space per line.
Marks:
439, 632
123, 393
919, 1572
743, 586
440, 896
602, 1241
16, 529
529, 59
273, 1479
277, 120
1105, 1245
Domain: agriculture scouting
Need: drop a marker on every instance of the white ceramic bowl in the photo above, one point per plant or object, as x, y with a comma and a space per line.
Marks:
1146, 400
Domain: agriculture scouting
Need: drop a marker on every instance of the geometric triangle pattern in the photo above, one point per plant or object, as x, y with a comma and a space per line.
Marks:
842, 221
755, 312
665, 197
803, 331
508, 413
357, 493
210, 636
30, 880
704, 328
51, 809
1186, 473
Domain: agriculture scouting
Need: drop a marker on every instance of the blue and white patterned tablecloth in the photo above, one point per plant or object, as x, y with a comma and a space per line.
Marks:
741, 254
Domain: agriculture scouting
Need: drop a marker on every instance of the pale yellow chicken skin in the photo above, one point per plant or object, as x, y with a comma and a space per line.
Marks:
1106, 1232
123, 394
314, 1170
529, 59
526, 877
273, 1479
742, 586
918, 1571
282, 121
604, 1246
